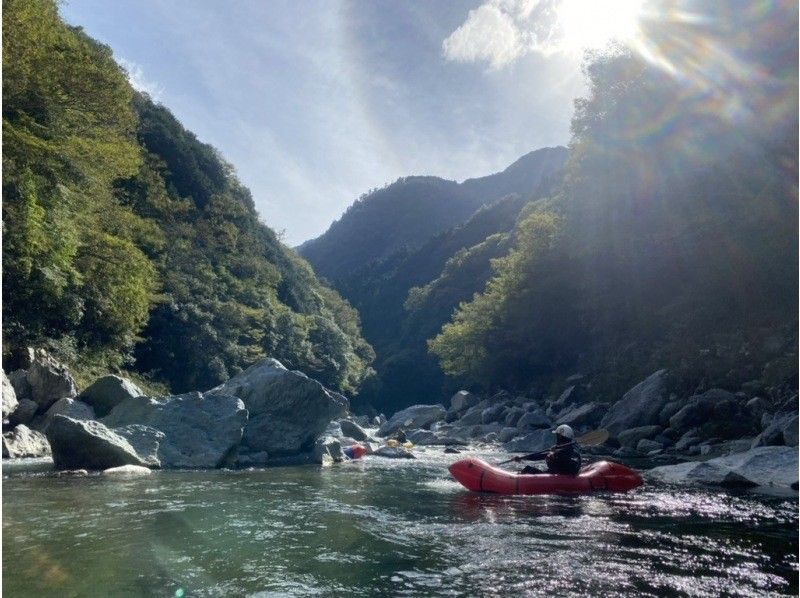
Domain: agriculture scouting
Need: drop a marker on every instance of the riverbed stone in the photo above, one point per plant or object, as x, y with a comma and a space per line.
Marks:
463, 400
107, 392
631, 438
588, 414
534, 419
69, 407
24, 442
49, 381
201, 430
640, 406
763, 466
287, 410
88, 444
127, 471
24, 413
416, 416
353, 430
9, 397
533, 442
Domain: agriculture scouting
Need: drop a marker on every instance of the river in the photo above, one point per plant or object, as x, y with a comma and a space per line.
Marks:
383, 527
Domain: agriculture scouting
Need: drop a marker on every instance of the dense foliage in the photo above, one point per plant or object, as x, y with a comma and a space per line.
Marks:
677, 222
129, 241
379, 288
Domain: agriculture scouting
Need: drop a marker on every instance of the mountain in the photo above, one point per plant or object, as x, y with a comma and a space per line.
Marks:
130, 244
411, 210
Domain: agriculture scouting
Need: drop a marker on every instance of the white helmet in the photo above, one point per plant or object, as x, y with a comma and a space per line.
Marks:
565, 431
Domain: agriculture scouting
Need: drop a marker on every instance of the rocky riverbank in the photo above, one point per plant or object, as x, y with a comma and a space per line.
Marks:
266, 415
744, 437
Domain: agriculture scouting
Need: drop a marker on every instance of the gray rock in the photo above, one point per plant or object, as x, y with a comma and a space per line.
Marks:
513, 416
200, 430
127, 471
668, 411
736, 446
790, 430
507, 434
393, 452
9, 396
24, 442
19, 381
353, 430
452, 451
631, 438
333, 429
533, 420
144, 440
647, 446
535, 441
327, 448
763, 466
416, 416
757, 406
49, 381
24, 412
624, 452
252, 459
588, 414
473, 416
108, 392
690, 438
88, 445
492, 414
640, 406
288, 411
700, 409
463, 400
68, 407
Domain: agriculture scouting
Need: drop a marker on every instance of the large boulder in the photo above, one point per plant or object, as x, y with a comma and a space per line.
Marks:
353, 430
416, 416
763, 466
19, 382
201, 430
88, 445
463, 400
24, 442
588, 414
24, 412
536, 441
144, 440
49, 381
68, 407
9, 398
640, 406
533, 419
327, 449
107, 392
288, 410
472, 417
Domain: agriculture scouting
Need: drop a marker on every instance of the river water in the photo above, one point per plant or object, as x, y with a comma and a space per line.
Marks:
381, 527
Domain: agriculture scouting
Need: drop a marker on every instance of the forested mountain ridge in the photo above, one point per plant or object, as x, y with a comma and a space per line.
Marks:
411, 210
129, 243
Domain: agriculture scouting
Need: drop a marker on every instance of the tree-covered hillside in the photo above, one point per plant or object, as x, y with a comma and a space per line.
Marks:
673, 242
129, 243
407, 213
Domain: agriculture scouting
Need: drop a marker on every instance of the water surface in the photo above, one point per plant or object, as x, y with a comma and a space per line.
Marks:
383, 527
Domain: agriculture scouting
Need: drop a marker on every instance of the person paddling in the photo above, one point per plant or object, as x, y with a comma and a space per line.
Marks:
563, 458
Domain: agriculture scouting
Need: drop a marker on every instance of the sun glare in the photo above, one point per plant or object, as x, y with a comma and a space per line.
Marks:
591, 24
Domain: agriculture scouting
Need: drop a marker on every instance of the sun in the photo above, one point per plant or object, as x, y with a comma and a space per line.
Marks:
592, 24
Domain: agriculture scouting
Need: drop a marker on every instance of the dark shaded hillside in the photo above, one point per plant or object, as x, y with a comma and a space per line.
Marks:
413, 209
128, 243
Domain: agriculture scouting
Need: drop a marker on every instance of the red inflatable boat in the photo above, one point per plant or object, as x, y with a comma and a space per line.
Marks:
479, 476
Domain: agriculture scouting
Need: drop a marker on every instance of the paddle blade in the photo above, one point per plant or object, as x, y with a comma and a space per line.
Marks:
593, 438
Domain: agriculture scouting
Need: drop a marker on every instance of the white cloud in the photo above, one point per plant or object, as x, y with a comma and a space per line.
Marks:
138, 80
499, 32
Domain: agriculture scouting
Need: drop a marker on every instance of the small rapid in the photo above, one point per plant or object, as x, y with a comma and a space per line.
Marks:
384, 527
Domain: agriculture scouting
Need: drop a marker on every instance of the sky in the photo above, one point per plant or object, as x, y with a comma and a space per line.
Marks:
317, 102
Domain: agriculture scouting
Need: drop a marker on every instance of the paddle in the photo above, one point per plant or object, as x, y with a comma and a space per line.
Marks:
589, 439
